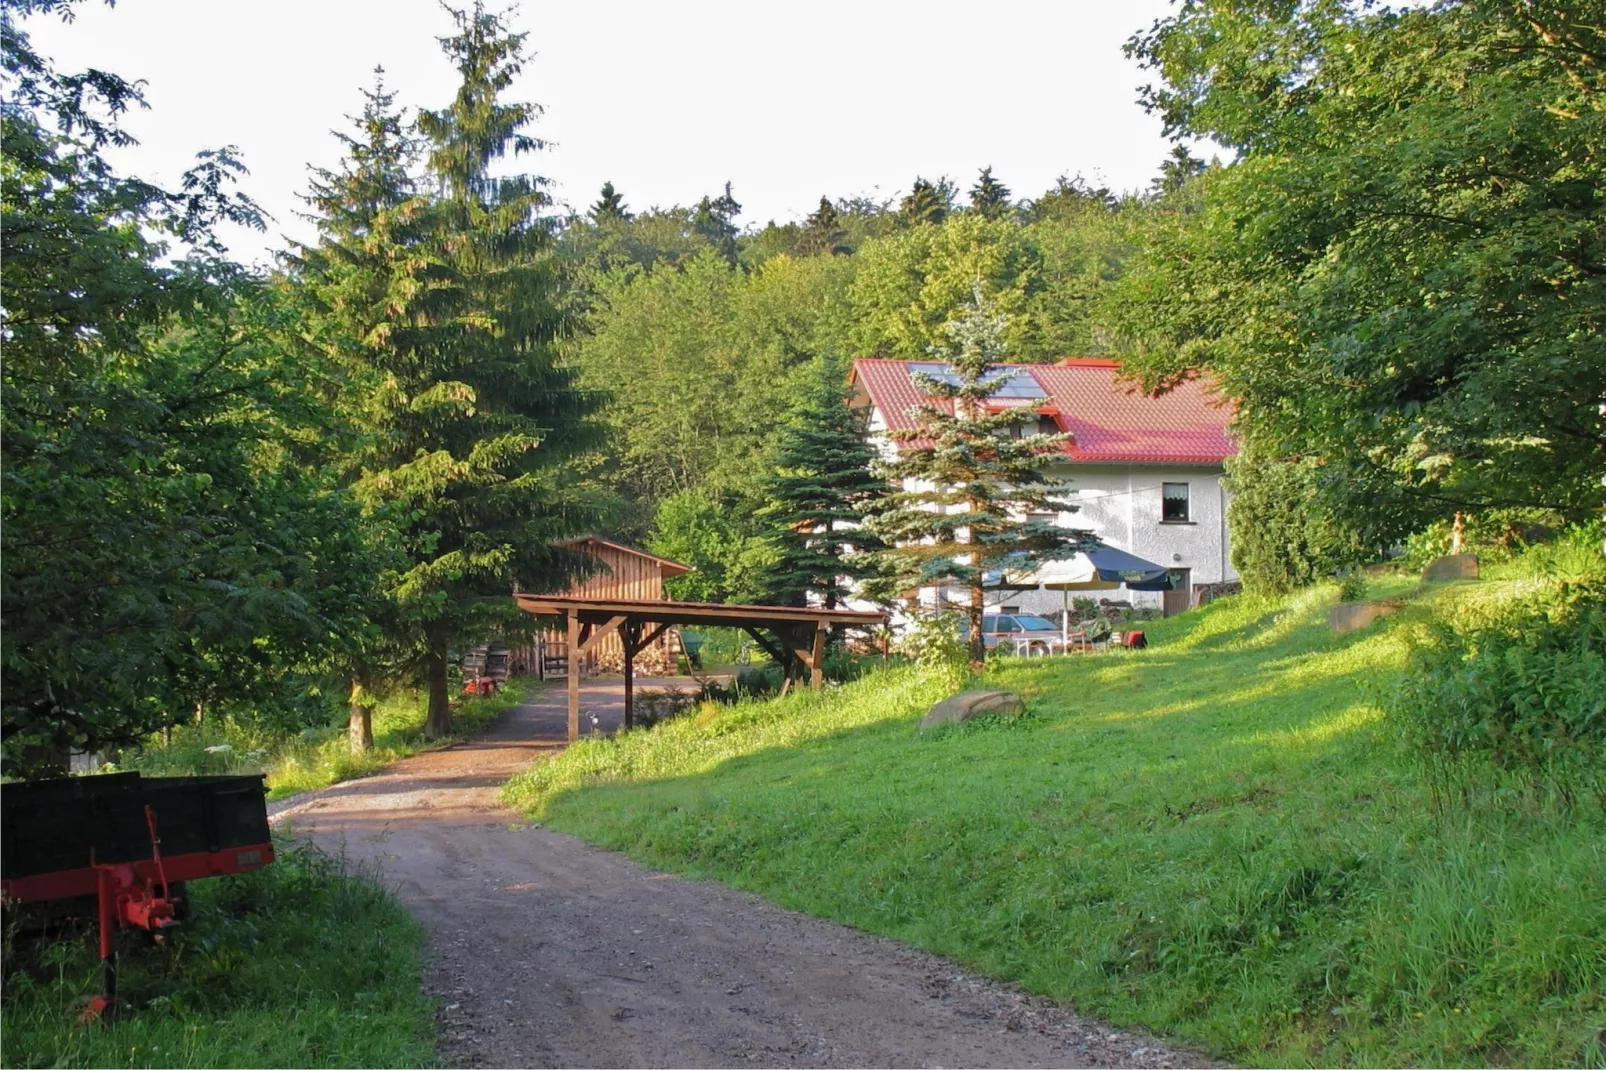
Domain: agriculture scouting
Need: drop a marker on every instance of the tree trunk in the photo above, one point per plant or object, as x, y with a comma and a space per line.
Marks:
360, 720
978, 644
1457, 530
438, 725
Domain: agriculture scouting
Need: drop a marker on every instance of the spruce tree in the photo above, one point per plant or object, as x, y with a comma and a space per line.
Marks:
714, 219
1175, 171
971, 477
818, 492
474, 428
610, 207
989, 198
344, 284
823, 233
925, 203
493, 427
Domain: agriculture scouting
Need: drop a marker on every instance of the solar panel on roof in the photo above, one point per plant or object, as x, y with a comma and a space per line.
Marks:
1011, 382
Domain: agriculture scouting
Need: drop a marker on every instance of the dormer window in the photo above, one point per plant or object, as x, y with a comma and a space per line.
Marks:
1047, 425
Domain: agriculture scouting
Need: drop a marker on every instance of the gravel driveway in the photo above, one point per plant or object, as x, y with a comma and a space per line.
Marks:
544, 951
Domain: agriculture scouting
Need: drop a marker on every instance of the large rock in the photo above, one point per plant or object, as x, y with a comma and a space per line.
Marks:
1452, 567
1352, 616
969, 704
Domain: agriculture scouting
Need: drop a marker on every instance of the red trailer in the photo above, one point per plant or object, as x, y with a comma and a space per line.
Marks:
120, 846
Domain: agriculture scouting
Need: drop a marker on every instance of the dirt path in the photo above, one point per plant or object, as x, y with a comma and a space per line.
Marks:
547, 952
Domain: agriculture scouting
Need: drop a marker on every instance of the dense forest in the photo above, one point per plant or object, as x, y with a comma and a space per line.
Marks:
273, 495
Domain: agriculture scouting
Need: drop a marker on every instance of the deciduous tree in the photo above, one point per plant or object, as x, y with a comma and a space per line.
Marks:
1404, 272
168, 536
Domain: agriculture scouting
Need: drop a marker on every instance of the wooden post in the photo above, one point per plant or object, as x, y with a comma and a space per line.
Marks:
809, 656
574, 675
628, 636
817, 656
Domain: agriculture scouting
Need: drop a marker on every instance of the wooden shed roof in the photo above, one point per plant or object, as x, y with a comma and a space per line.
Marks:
708, 614
668, 567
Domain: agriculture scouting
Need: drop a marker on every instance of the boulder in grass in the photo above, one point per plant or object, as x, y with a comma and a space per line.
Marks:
1451, 567
971, 704
1353, 616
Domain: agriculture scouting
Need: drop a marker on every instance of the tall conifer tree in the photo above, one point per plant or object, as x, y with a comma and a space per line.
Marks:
989, 198
823, 233
818, 492
925, 203
490, 422
610, 206
971, 477
346, 283
474, 426
1175, 170
714, 219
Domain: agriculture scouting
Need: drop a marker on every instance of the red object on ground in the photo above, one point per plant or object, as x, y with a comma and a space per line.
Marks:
484, 685
136, 894
1135, 640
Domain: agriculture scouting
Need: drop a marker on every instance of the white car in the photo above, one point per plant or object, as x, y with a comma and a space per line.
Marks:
1020, 633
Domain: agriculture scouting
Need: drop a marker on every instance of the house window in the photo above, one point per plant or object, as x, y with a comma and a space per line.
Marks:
1174, 503
1047, 425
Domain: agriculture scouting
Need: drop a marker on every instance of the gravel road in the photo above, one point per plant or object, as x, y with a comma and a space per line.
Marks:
544, 951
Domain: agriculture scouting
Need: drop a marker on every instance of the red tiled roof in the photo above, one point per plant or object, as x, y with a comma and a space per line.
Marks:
1110, 421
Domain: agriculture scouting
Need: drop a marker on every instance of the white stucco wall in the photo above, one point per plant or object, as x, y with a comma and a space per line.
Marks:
1121, 505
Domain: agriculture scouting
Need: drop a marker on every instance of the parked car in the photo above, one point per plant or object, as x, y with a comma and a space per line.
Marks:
1020, 633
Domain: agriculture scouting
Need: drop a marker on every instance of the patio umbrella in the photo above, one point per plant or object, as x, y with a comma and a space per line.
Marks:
1103, 568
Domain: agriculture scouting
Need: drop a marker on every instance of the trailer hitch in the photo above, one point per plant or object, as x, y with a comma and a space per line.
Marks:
124, 897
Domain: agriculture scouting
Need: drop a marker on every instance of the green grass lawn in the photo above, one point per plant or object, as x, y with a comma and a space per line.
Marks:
1220, 838
316, 757
298, 964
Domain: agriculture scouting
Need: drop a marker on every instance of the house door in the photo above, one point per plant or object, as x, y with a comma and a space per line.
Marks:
1180, 596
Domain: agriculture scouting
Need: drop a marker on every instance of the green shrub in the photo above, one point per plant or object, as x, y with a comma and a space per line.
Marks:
1512, 694
654, 707
1352, 586
844, 667
313, 757
934, 641
1492, 534
1285, 534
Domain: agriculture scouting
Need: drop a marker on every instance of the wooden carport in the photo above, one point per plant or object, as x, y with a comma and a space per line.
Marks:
797, 634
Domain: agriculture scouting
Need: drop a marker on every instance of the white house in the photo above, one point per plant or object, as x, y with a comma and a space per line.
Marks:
1144, 472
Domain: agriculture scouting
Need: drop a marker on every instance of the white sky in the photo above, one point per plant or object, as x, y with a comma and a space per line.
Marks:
667, 99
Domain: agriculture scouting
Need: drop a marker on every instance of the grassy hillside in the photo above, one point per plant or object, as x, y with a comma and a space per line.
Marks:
1220, 838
